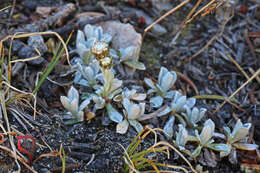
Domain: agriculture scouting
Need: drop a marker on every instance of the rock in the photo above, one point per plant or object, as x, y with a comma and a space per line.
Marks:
37, 42
123, 35
28, 52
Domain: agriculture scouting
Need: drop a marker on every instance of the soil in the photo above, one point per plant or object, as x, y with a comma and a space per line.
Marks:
94, 146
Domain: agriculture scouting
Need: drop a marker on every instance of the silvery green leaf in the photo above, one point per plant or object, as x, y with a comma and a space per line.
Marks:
88, 73
126, 104
225, 148
65, 102
190, 102
156, 101
80, 37
164, 112
149, 82
240, 131
168, 128
106, 38
134, 64
84, 104
73, 94
196, 152
142, 107
207, 131
177, 105
169, 94
202, 113
227, 132
82, 82
243, 146
195, 117
74, 107
89, 31
128, 53
113, 53
77, 77
81, 49
133, 112
163, 72
80, 116
90, 42
87, 57
233, 156
113, 114
138, 96
168, 81
138, 126
226, 153
150, 91
181, 137
122, 127
99, 102
115, 84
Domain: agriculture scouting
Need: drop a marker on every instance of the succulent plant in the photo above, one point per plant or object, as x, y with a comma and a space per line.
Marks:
132, 113
181, 137
87, 75
106, 93
235, 138
179, 104
166, 80
194, 115
129, 57
71, 103
86, 39
205, 139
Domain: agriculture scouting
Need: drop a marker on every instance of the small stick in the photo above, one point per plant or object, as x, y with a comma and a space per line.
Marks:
253, 72
242, 86
165, 15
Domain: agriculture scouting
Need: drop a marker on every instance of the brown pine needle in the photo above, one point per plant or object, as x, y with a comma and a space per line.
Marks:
238, 66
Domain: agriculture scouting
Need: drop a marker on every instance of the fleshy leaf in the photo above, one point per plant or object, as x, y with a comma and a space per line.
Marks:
65, 102
220, 147
181, 137
84, 104
162, 73
156, 101
168, 81
134, 64
190, 102
207, 131
168, 128
138, 127
243, 146
122, 127
149, 82
240, 131
73, 94
138, 97
133, 112
196, 152
113, 114
74, 108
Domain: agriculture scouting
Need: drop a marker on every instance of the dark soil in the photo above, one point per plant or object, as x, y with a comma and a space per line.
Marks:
93, 146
